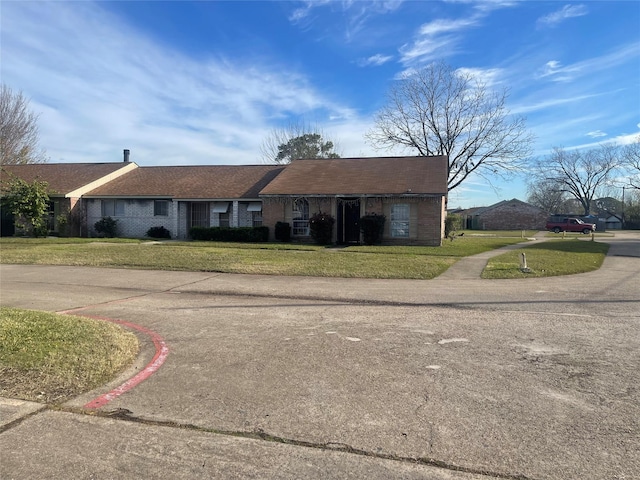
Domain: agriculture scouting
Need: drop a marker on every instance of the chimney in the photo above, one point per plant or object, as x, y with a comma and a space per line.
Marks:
126, 155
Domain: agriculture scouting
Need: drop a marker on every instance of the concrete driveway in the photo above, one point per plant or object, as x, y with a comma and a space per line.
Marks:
282, 377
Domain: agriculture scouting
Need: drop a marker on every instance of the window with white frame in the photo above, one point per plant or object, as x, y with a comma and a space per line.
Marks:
300, 217
161, 208
400, 220
112, 208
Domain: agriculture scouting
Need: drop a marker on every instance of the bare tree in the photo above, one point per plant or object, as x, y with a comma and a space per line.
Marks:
581, 174
441, 111
18, 130
547, 195
297, 140
631, 158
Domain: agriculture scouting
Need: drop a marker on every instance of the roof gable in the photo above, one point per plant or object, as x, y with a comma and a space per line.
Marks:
362, 176
191, 182
69, 179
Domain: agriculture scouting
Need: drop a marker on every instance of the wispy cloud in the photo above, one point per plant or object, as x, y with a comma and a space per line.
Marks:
435, 40
487, 76
374, 60
101, 86
554, 70
559, 16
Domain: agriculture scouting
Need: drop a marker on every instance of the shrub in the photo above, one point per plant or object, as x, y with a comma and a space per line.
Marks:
452, 223
372, 228
283, 231
106, 227
158, 232
227, 234
321, 228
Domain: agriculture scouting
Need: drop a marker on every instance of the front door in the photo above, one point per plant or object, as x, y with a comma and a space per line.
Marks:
349, 220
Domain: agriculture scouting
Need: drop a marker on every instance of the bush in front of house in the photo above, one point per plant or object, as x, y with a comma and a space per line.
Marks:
158, 232
106, 227
283, 231
228, 234
321, 228
452, 223
372, 228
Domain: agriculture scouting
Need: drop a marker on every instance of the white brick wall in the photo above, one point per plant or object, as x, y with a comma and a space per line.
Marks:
137, 219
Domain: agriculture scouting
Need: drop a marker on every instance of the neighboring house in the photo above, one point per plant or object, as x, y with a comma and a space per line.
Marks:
511, 214
410, 191
68, 183
178, 198
613, 222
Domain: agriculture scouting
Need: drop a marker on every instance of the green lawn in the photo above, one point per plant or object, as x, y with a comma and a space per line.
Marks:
50, 358
267, 259
550, 258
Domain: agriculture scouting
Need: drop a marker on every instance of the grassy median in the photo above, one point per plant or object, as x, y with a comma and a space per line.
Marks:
547, 259
50, 358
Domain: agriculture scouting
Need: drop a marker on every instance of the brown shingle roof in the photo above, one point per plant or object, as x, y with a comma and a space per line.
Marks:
61, 177
191, 182
362, 176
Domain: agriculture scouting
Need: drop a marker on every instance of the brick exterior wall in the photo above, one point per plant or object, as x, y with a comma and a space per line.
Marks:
512, 215
426, 219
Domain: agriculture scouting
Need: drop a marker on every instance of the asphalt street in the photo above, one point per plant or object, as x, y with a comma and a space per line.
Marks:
300, 377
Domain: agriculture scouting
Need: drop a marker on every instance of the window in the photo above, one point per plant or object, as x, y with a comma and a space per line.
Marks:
112, 208
300, 217
161, 208
223, 219
256, 219
400, 220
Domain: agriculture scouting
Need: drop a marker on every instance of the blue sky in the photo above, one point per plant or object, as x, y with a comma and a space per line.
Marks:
187, 83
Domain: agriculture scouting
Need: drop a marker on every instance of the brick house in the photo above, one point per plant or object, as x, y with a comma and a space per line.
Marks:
178, 198
410, 191
511, 214
68, 183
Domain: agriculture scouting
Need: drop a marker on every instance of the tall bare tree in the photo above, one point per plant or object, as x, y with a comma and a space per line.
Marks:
631, 158
442, 111
583, 174
297, 140
18, 130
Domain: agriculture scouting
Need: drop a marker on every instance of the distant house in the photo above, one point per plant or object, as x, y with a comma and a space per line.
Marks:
181, 197
511, 214
410, 191
613, 222
68, 183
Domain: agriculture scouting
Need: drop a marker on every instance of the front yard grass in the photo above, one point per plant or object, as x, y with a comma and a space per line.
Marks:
50, 358
549, 258
266, 259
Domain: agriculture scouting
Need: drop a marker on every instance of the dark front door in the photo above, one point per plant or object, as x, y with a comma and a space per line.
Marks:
349, 220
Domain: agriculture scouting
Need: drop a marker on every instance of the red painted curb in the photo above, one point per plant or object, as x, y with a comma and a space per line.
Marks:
156, 362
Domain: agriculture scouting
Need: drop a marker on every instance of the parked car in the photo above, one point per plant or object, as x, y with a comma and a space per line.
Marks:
570, 225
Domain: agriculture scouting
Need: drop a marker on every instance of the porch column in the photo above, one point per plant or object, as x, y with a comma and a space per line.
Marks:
234, 221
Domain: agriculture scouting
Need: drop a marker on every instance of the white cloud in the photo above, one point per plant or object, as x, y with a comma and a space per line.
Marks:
101, 86
375, 60
596, 134
487, 76
568, 11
